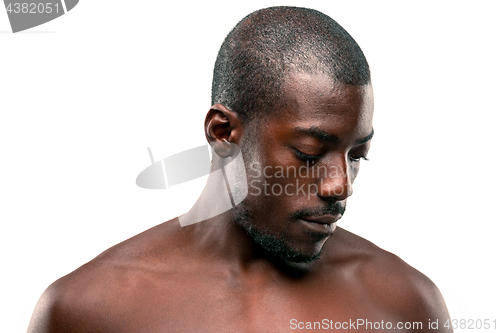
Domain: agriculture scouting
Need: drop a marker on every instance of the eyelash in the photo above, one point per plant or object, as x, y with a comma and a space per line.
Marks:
358, 158
305, 157
314, 158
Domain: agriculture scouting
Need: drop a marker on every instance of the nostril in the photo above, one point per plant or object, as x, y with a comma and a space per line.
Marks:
335, 188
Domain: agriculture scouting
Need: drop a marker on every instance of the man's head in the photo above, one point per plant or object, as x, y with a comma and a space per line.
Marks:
268, 44
292, 89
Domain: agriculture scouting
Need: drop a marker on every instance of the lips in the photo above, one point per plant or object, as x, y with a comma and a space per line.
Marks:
324, 224
324, 219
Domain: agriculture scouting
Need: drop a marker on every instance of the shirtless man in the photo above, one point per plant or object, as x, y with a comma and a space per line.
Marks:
292, 89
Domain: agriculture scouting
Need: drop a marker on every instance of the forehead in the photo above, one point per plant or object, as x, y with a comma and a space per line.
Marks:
321, 94
317, 100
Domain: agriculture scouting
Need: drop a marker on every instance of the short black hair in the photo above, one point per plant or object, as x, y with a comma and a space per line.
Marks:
268, 43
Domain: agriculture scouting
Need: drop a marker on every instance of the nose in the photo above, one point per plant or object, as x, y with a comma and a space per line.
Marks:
337, 182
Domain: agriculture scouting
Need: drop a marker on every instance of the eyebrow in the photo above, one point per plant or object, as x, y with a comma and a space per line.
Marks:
323, 136
366, 138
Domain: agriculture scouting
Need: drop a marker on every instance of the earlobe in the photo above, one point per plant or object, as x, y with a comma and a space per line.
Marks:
222, 148
222, 127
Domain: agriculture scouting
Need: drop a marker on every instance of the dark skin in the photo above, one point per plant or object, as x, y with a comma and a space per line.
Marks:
211, 277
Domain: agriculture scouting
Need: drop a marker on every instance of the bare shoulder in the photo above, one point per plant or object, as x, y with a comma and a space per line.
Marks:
91, 297
389, 281
376, 265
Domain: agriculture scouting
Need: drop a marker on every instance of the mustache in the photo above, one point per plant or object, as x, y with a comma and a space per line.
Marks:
332, 208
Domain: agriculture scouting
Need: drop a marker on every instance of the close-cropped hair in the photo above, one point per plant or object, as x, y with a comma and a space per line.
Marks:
269, 44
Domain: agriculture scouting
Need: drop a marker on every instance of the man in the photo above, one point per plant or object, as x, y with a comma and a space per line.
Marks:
292, 89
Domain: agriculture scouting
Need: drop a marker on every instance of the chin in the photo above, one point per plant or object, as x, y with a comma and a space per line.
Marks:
302, 258
278, 249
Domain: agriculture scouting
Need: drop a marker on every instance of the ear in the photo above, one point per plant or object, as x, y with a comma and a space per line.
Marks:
222, 127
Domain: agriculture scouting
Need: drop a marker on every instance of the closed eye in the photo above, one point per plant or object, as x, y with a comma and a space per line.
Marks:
357, 158
305, 157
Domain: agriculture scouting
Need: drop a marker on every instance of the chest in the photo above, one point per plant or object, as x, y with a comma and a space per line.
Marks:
210, 304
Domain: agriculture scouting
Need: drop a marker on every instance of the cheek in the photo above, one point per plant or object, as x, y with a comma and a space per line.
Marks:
276, 180
270, 190
283, 186
354, 172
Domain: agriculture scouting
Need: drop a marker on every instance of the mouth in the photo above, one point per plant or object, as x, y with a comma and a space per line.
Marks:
325, 224
324, 219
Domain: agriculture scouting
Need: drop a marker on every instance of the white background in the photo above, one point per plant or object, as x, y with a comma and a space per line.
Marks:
82, 97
